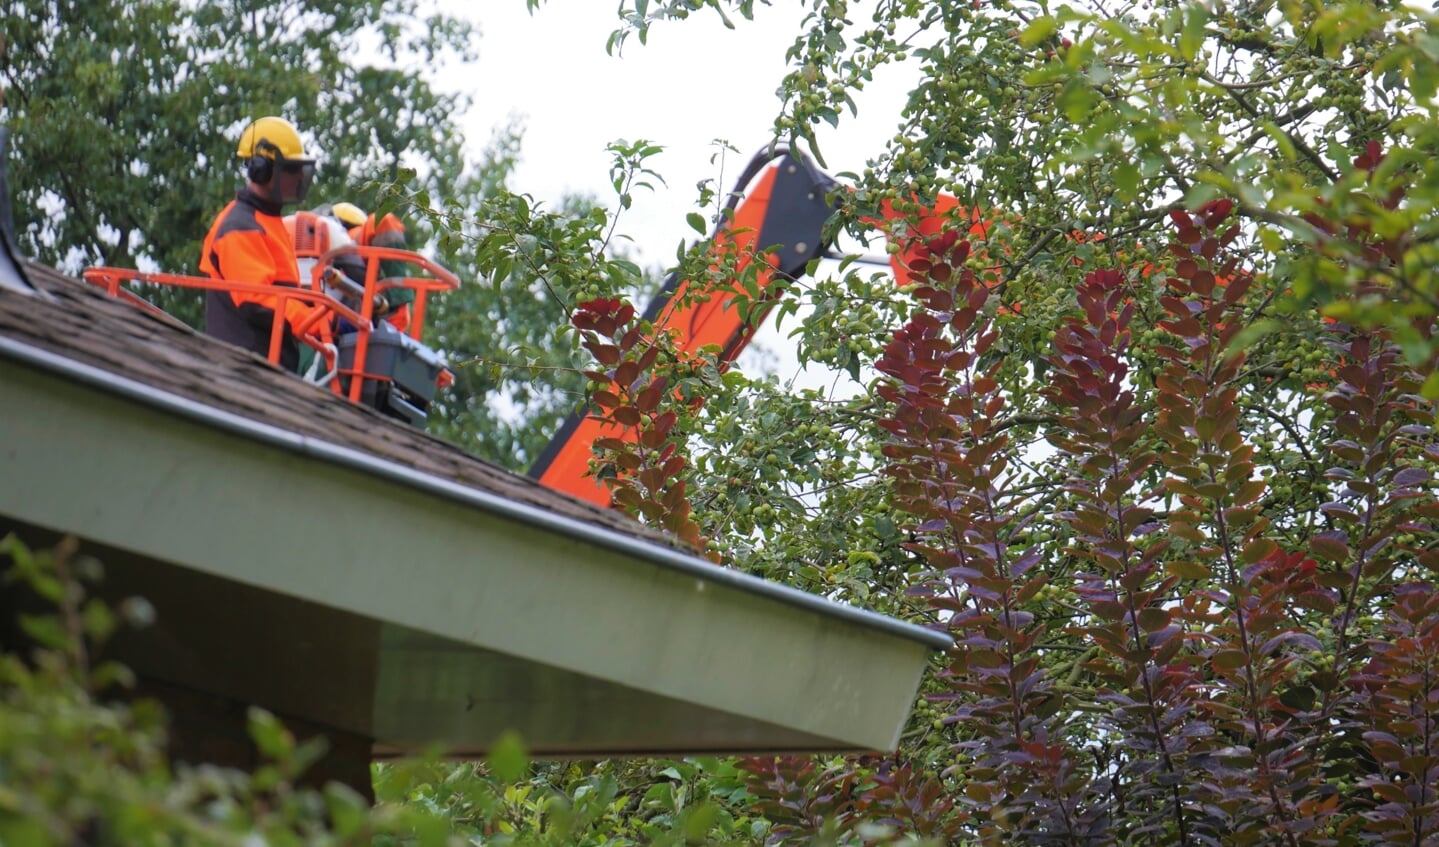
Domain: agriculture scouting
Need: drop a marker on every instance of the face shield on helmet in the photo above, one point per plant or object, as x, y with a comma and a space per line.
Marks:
292, 180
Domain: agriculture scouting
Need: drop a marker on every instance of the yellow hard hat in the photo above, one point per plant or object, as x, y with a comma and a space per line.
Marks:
275, 160
348, 214
271, 137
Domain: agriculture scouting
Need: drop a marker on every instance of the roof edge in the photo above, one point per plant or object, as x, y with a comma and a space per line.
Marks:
602, 537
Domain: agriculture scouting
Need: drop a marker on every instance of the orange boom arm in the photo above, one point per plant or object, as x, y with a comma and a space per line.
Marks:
785, 209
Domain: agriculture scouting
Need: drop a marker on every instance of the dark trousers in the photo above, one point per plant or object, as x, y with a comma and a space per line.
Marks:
248, 326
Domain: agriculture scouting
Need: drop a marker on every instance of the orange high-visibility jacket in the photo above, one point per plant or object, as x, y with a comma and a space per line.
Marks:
249, 243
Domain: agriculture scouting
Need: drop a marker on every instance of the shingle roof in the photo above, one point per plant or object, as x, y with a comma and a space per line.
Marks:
84, 325
480, 602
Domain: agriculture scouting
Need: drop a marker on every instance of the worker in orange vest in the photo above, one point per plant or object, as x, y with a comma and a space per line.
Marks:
388, 231
248, 241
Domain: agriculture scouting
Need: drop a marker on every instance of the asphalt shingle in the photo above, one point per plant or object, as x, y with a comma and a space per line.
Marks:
81, 323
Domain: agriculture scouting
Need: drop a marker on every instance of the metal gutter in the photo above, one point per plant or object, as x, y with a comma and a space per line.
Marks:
303, 445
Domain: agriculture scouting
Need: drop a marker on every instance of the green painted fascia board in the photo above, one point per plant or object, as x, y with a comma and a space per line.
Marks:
163, 485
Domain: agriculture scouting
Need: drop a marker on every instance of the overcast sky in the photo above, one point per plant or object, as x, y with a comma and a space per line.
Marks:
694, 82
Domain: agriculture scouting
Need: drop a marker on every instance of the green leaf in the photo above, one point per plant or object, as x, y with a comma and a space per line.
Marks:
99, 620
849, 362
1258, 549
1153, 619
1191, 38
1228, 660
1281, 139
11, 546
275, 742
1184, 569
508, 760
696, 222
346, 808
1251, 335
698, 821
1038, 30
1077, 100
108, 674
47, 631
1430, 389
1126, 178
503, 268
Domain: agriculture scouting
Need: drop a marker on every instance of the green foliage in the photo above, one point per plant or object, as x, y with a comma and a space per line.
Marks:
1154, 441
580, 803
508, 334
78, 765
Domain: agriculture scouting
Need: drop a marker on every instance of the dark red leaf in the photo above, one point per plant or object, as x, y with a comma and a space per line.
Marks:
649, 399
627, 372
605, 354
1216, 211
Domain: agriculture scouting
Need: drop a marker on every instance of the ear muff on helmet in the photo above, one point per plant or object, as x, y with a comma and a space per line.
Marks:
259, 170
